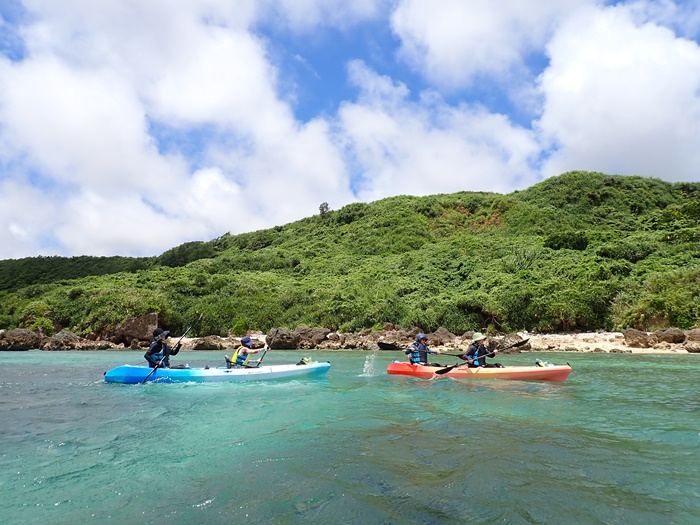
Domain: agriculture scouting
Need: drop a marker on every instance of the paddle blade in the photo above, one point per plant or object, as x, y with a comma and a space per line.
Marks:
515, 345
445, 370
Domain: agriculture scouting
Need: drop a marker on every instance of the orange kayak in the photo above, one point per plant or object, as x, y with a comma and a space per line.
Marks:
533, 373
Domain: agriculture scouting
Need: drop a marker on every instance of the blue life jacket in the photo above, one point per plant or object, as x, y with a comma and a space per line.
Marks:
160, 353
158, 356
478, 358
417, 353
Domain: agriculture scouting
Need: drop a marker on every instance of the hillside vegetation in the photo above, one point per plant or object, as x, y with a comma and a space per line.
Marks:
582, 251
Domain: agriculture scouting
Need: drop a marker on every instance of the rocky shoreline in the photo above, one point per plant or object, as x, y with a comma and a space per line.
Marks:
308, 338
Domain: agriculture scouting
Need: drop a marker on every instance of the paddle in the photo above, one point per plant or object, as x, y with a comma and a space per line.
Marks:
267, 347
490, 354
167, 352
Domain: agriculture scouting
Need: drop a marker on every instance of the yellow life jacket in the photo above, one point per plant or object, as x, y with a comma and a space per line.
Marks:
240, 362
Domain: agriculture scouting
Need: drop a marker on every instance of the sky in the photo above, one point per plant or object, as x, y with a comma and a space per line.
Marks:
129, 127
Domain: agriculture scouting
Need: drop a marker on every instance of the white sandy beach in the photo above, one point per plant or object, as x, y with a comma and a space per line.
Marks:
594, 342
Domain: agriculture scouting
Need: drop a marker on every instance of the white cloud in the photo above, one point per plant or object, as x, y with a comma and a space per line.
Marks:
81, 127
622, 98
290, 171
77, 111
451, 42
106, 223
129, 127
25, 214
221, 77
683, 16
428, 147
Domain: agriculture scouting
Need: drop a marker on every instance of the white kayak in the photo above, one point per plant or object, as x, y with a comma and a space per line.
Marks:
131, 374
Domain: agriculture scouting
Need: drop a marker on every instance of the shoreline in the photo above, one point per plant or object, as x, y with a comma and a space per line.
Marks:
599, 342
671, 341
585, 342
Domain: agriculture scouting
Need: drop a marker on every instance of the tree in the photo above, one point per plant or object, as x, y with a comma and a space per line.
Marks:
324, 208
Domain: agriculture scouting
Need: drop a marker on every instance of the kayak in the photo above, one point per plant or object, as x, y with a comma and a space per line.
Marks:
130, 374
541, 373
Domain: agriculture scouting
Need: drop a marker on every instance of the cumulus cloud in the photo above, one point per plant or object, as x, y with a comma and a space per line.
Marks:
621, 98
84, 108
428, 146
452, 42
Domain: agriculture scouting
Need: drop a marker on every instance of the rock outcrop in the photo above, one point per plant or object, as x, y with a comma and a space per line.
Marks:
25, 339
638, 339
20, 339
139, 328
391, 339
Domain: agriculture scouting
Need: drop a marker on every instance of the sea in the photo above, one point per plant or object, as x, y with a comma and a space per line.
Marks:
617, 443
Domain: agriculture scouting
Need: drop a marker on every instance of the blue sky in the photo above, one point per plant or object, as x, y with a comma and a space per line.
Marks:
128, 127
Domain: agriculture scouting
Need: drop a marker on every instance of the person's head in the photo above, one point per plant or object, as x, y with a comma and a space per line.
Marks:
421, 338
478, 336
247, 341
160, 334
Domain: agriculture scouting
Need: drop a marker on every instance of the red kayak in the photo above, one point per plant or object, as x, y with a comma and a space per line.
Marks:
533, 373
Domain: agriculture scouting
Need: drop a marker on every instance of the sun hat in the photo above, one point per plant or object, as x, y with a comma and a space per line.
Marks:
159, 334
478, 336
247, 341
420, 337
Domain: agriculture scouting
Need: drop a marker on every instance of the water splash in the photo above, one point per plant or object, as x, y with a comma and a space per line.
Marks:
368, 368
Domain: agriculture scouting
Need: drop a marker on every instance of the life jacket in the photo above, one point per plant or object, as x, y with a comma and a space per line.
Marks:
415, 355
239, 360
477, 356
160, 353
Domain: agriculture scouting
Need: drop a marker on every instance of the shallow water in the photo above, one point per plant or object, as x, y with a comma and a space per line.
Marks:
618, 442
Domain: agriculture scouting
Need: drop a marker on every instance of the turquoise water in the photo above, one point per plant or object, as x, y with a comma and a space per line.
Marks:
618, 442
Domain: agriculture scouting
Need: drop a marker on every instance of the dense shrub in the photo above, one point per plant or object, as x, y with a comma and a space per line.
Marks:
662, 300
570, 240
187, 253
581, 251
629, 251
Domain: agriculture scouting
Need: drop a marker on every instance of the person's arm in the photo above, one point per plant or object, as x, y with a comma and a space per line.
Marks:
489, 353
149, 355
248, 354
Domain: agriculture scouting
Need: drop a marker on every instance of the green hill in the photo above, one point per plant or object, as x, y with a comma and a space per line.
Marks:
582, 251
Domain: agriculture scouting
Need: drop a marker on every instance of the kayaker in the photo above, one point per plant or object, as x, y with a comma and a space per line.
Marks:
477, 352
241, 356
158, 351
418, 351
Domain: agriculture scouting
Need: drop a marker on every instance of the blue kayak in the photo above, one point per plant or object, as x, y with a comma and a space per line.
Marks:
132, 375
